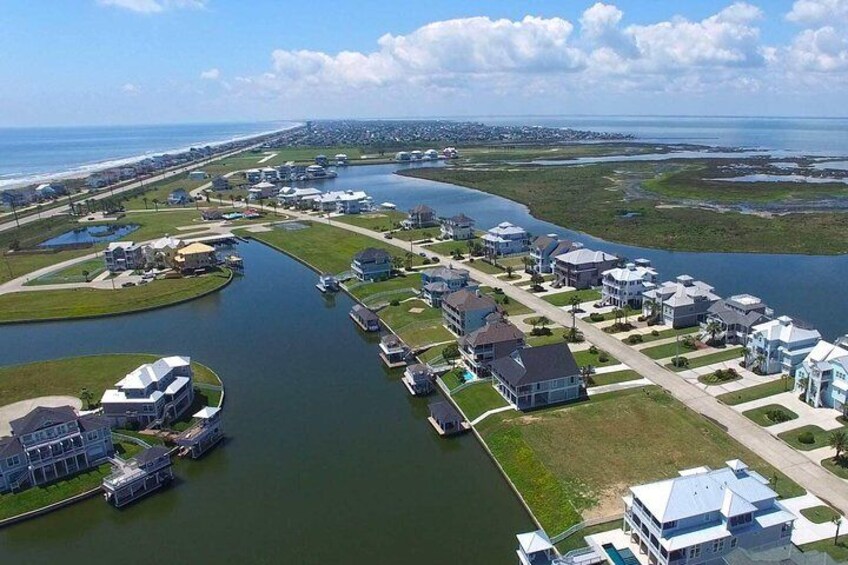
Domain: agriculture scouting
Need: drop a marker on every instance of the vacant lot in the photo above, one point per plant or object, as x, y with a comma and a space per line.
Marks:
611, 446
754, 393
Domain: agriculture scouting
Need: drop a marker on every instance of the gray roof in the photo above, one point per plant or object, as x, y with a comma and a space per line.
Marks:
585, 256
543, 241
419, 372
465, 300
494, 332
536, 364
443, 411
373, 255
10, 446
436, 287
41, 417
364, 313
151, 454
733, 317
422, 209
460, 220
446, 273
91, 422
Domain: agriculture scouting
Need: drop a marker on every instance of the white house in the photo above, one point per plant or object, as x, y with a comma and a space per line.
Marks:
780, 346
679, 304
151, 394
125, 256
702, 515
505, 239
458, 228
623, 286
343, 202
823, 376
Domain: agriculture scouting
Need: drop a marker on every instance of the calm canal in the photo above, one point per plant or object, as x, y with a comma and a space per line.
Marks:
802, 286
329, 459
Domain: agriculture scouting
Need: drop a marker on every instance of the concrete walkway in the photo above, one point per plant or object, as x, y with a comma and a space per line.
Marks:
19, 409
806, 531
485, 415
795, 465
593, 390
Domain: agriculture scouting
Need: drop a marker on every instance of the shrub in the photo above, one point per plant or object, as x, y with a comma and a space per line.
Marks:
450, 351
688, 342
596, 317
655, 333
434, 259
777, 415
603, 357
394, 303
680, 362
635, 338
426, 261
807, 438
593, 350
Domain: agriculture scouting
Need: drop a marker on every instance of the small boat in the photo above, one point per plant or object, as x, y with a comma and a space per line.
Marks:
387, 206
327, 283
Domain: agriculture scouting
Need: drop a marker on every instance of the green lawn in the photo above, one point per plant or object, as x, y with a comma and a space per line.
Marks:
88, 302
326, 248
448, 247
485, 267
837, 467
73, 274
838, 551
39, 497
395, 288
453, 379
478, 399
416, 329
753, 393
820, 514
564, 298
727, 355
763, 415
719, 377
578, 540
663, 334
510, 306
68, 376
820, 437
376, 221
417, 234
614, 377
666, 350
618, 451
14, 265
631, 313
554, 337
586, 357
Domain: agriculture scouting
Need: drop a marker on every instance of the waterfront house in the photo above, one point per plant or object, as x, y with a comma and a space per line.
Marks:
431, 155
327, 283
220, 183
372, 264
151, 395
342, 201
679, 304
253, 176
534, 377
779, 346
211, 214
393, 351
823, 377
446, 419
457, 228
270, 174
197, 175
194, 257
48, 444
139, 476
261, 190
418, 379
163, 250
18, 197
439, 282
178, 196
322, 160
421, 216
450, 153
735, 318
465, 311
341, 159
535, 548
622, 287
365, 318
299, 197
402, 156
505, 239
203, 434
498, 338
125, 256
703, 514
544, 248
44, 192
582, 268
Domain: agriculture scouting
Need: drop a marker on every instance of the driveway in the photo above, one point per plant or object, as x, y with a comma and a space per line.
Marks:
19, 409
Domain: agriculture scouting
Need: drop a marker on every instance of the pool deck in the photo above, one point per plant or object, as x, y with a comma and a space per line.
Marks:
619, 540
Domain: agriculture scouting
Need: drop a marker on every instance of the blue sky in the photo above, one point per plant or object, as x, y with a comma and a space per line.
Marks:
154, 61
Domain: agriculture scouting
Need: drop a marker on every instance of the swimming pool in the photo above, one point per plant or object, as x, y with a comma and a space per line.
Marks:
620, 557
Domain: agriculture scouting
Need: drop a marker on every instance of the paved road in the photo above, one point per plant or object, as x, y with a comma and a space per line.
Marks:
793, 464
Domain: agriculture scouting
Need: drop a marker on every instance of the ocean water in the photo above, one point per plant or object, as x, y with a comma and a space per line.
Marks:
30, 155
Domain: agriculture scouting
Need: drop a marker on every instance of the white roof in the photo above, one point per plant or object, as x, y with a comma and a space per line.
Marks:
531, 542
342, 196
784, 330
682, 292
120, 245
149, 373
166, 242
696, 494
630, 273
178, 384
206, 412
505, 228
263, 184
111, 396
584, 256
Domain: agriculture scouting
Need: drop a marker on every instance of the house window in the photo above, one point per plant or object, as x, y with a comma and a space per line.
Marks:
786, 530
670, 525
13, 461
695, 551
734, 542
91, 436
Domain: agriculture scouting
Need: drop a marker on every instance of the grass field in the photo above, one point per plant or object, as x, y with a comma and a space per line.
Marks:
510, 306
417, 234
14, 265
754, 393
838, 550
68, 376
820, 514
327, 248
478, 399
416, 328
695, 362
448, 247
452, 379
609, 448
376, 221
398, 287
666, 350
664, 334
564, 298
556, 336
485, 267
586, 357
578, 540
614, 377
592, 199
838, 467
820, 437
73, 274
86, 302
762, 415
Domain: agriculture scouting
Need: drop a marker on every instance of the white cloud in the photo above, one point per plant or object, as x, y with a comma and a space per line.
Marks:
211, 74
153, 6
822, 46
818, 12
129, 88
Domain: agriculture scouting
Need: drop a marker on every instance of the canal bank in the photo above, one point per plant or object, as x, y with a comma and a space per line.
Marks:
328, 457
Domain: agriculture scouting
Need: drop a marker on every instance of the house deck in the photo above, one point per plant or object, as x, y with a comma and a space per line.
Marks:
463, 427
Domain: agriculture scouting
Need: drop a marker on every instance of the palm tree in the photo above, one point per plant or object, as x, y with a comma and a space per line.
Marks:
156, 204
543, 322
836, 521
85, 275
528, 263
232, 201
509, 271
537, 281
713, 328
144, 199
617, 313
86, 395
784, 378
274, 206
586, 372
761, 361
838, 440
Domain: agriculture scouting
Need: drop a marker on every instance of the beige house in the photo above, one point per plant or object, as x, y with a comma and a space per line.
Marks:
194, 256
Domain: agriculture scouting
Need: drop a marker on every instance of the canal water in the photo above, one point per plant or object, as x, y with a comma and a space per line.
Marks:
809, 288
329, 459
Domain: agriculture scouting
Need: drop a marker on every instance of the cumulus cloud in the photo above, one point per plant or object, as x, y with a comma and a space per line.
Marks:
818, 12
822, 45
153, 6
210, 74
129, 88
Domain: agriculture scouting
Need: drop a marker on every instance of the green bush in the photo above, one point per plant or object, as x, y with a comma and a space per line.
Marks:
778, 416
655, 333
593, 350
603, 357
596, 317
635, 338
680, 361
394, 303
807, 438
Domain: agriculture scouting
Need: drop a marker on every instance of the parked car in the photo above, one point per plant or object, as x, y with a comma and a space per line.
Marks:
128, 284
